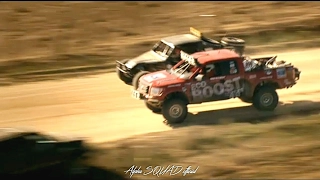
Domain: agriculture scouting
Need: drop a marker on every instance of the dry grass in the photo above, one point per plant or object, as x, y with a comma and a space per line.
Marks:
282, 149
39, 33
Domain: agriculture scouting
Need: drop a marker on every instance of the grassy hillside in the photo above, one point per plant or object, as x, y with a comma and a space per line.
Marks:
54, 35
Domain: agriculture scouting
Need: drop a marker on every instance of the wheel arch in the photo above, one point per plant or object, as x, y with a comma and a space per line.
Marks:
177, 94
272, 84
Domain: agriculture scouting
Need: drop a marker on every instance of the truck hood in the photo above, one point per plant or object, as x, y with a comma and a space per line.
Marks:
161, 78
147, 57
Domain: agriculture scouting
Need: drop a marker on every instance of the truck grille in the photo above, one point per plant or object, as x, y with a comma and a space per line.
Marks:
143, 88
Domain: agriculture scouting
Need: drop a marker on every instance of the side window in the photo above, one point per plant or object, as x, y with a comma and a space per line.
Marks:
35, 137
191, 48
225, 68
209, 71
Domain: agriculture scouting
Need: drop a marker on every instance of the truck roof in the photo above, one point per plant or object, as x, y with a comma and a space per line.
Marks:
9, 133
181, 39
205, 57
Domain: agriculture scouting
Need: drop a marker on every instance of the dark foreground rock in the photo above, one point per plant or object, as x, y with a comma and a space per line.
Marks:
83, 173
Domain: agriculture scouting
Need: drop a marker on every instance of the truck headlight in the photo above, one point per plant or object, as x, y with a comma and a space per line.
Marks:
155, 91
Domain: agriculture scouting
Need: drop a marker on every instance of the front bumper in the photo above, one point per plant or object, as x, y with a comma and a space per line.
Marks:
136, 94
297, 74
123, 68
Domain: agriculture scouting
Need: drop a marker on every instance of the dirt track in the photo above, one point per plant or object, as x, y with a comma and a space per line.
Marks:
100, 107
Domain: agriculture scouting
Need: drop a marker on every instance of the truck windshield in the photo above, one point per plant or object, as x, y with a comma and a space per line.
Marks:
184, 71
39, 138
162, 49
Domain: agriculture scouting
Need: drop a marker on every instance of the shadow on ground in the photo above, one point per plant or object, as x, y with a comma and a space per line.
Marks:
248, 114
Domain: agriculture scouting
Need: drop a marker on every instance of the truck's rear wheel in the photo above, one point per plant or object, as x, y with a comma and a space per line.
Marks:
174, 110
152, 108
266, 99
121, 76
135, 81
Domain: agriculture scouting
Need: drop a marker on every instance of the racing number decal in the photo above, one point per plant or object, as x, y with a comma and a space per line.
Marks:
230, 87
209, 67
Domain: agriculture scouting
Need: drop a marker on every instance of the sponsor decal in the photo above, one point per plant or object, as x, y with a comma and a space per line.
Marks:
233, 69
150, 78
217, 78
252, 76
175, 85
268, 71
188, 58
281, 73
184, 89
230, 87
267, 77
247, 65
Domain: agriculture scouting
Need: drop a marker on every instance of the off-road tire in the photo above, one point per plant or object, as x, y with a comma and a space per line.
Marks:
171, 105
266, 99
152, 108
235, 44
121, 76
246, 99
135, 80
233, 41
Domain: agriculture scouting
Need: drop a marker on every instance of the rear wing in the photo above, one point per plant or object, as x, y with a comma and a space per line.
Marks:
196, 32
188, 58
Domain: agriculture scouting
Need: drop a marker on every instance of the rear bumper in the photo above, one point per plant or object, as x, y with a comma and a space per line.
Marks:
297, 73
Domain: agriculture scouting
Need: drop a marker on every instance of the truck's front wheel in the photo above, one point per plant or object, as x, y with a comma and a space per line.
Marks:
152, 108
135, 81
266, 99
174, 110
121, 76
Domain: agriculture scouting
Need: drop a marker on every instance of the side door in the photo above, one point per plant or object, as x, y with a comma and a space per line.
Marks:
223, 81
43, 151
15, 155
196, 87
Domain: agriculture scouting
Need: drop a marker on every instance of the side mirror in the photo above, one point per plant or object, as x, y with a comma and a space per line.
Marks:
199, 77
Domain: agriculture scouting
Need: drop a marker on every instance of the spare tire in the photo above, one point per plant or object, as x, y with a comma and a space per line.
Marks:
234, 43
